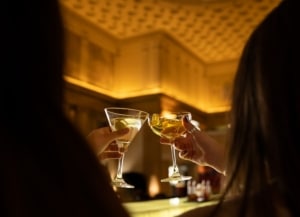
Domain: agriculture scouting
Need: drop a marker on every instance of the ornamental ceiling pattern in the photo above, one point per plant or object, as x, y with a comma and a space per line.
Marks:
213, 30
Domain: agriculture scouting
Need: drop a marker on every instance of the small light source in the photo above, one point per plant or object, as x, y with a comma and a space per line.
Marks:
174, 201
153, 186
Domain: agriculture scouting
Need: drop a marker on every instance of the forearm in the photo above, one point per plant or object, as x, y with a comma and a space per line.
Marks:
214, 153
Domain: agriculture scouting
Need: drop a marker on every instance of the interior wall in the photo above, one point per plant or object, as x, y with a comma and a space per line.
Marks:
147, 64
102, 71
146, 155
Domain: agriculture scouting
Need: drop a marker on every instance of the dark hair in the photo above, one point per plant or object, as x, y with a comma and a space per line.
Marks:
47, 168
263, 155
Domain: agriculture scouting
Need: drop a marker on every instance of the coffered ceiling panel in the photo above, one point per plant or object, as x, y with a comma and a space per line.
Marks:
213, 30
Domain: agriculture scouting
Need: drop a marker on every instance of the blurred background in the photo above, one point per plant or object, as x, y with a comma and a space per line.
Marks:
156, 55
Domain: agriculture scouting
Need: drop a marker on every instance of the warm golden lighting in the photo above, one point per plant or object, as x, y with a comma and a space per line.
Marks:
153, 186
129, 91
123, 61
201, 169
168, 114
111, 92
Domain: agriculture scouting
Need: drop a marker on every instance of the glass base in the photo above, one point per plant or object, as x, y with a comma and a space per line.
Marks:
176, 178
120, 183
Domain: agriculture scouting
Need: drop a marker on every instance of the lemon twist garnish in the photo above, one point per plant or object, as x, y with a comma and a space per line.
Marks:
155, 120
120, 124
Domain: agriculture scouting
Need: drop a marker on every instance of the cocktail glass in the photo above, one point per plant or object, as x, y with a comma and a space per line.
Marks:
170, 126
119, 118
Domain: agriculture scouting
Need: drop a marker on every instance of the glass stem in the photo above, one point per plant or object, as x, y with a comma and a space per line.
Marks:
175, 167
120, 167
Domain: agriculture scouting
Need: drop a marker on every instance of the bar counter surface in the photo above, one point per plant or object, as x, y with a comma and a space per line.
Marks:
164, 207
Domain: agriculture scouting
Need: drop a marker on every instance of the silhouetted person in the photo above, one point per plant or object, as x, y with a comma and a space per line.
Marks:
261, 162
47, 168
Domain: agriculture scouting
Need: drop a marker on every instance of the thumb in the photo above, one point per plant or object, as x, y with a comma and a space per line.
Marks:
119, 133
108, 138
188, 124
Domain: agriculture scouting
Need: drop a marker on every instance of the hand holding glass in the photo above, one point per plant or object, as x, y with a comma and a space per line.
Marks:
170, 126
119, 118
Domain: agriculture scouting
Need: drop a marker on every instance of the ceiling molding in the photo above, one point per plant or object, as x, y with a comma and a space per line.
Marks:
215, 30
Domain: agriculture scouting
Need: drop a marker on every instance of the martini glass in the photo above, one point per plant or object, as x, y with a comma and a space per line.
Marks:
119, 118
170, 125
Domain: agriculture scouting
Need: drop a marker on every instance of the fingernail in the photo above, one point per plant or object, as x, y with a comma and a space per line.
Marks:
186, 119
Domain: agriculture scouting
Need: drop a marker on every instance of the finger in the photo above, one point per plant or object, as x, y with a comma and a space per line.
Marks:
191, 128
165, 141
183, 143
112, 147
183, 155
112, 136
187, 124
118, 133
